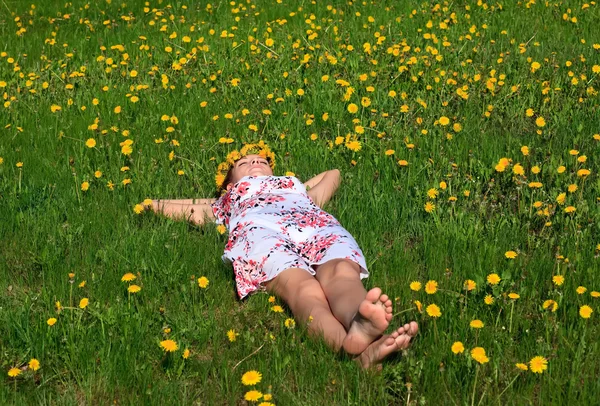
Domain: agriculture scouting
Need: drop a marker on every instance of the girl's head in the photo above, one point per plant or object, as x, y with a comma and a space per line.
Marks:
249, 165
252, 159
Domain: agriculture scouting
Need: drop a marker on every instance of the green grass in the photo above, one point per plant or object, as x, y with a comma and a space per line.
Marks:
109, 352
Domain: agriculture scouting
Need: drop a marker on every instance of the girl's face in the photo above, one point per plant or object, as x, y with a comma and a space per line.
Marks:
250, 165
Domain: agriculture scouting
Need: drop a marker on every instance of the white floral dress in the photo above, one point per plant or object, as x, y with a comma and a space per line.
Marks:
274, 225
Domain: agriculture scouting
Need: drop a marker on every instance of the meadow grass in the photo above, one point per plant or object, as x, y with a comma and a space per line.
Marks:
447, 95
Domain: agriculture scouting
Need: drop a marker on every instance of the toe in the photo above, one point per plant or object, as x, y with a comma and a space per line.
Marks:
373, 295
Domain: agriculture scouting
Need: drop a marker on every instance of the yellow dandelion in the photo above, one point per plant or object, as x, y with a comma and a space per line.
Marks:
458, 347
169, 345
493, 279
585, 311
488, 299
476, 324
251, 378
558, 280
14, 372
550, 303
429, 207
538, 364
581, 290
232, 335
433, 310
444, 120
540, 122
290, 323
128, 277
51, 321
186, 353
83, 303
431, 287
510, 254
352, 108
478, 354
133, 289
470, 285
253, 396
34, 364
521, 366
277, 309
415, 286
203, 282
90, 143
514, 296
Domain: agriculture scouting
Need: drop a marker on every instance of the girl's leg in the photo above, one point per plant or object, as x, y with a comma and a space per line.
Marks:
365, 315
305, 297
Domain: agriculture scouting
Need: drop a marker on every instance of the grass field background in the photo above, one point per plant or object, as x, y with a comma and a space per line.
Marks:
467, 135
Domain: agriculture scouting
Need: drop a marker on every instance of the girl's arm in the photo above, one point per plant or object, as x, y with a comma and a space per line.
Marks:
313, 181
195, 213
322, 191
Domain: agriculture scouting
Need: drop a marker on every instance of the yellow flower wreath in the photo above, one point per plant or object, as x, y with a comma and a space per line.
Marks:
260, 148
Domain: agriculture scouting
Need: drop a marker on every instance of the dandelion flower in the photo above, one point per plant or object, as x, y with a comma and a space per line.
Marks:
277, 309
510, 254
581, 290
431, 287
521, 366
186, 353
90, 143
415, 286
85, 186
513, 295
34, 364
444, 120
51, 321
595, 294
540, 122
251, 378
493, 279
470, 285
133, 289
433, 310
203, 282
585, 311
538, 364
14, 372
488, 300
458, 347
548, 303
352, 108
429, 207
558, 280
253, 395
290, 323
138, 208
169, 345
83, 303
232, 335
478, 354
476, 324
128, 277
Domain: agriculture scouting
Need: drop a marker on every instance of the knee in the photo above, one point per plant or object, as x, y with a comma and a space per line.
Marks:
340, 269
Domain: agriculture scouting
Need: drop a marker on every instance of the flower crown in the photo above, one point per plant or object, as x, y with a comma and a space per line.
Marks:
261, 148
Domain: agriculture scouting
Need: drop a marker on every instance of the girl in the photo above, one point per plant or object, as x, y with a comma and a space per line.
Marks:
280, 239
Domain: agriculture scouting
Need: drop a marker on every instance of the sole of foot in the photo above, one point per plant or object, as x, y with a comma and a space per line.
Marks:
371, 320
388, 344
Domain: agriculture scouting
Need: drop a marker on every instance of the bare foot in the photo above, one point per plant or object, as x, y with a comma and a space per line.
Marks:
371, 320
388, 344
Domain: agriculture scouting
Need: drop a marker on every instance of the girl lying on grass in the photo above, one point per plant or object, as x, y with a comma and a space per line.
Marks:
280, 239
